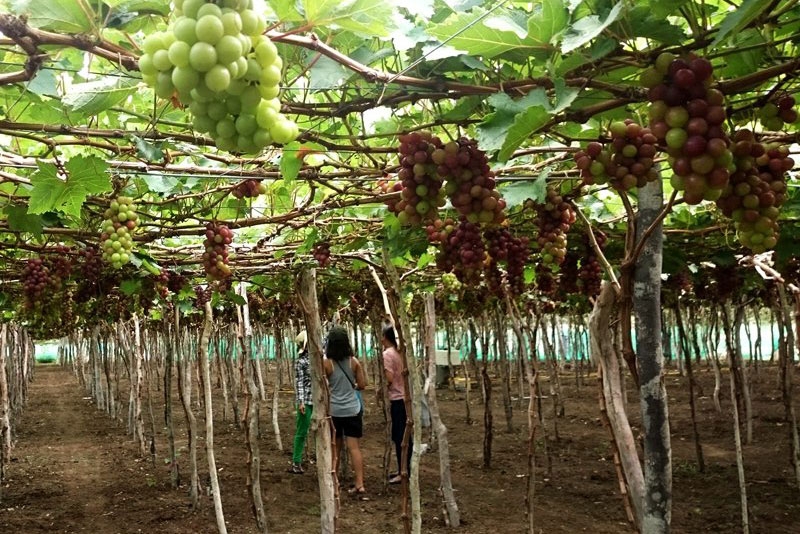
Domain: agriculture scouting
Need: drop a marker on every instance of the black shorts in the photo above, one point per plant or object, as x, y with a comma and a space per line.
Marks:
351, 427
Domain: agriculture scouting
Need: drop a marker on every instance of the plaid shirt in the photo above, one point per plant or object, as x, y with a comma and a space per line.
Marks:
302, 379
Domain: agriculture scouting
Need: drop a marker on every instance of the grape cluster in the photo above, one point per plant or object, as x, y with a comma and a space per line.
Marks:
322, 253
214, 59
514, 251
115, 237
420, 184
470, 183
249, 188
38, 281
687, 116
756, 190
590, 272
439, 230
215, 258
627, 162
91, 264
451, 283
202, 295
176, 282
463, 253
778, 112
553, 219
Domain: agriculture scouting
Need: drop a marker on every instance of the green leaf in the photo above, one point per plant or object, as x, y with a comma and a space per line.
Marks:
286, 10
651, 26
365, 17
290, 163
20, 220
478, 34
663, 8
587, 28
525, 124
492, 132
86, 175
464, 108
425, 260
44, 83
516, 193
161, 184
235, 298
93, 97
325, 73
737, 19
548, 22
148, 150
130, 287
68, 16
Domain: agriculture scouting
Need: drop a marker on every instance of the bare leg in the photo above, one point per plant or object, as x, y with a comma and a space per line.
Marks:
353, 444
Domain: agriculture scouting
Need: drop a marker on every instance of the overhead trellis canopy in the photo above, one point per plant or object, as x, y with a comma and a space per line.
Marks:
531, 82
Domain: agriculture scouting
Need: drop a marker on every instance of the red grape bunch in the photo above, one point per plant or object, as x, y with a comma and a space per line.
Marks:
115, 237
470, 182
215, 258
778, 112
553, 219
176, 282
687, 115
249, 188
757, 189
38, 281
627, 162
438, 230
590, 273
421, 186
514, 251
463, 253
91, 264
202, 295
322, 253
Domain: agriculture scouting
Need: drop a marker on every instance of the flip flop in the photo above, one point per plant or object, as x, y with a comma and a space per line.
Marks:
395, 479
358, 493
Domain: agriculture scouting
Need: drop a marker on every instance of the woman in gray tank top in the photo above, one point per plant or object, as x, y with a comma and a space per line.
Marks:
346, 377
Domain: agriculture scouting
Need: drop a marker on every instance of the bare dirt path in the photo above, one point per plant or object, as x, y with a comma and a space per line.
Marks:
73, 469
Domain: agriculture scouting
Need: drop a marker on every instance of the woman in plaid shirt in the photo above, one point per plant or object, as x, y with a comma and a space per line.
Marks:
303, 400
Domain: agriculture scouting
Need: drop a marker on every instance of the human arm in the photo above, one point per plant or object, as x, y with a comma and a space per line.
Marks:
361, 376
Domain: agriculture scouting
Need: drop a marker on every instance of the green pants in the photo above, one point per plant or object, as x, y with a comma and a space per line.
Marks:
302, 422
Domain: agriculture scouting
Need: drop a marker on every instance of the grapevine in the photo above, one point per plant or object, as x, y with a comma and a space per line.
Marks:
421, 193
249, 188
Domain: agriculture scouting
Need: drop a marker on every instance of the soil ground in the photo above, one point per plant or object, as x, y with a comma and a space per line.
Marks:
75, 470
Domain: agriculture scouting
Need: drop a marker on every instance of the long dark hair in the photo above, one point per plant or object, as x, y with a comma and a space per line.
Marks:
388, 335
338, 346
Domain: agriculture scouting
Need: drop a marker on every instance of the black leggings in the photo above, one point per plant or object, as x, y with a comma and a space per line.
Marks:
398, 411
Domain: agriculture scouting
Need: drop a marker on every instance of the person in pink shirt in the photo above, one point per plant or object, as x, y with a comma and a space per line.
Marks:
393, 369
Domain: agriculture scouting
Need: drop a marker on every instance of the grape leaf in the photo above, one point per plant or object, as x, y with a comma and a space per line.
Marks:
148, 150
364, 17
20, 220
86, 175
69, 16
739, 18
548, 22
516, 193
525, 124
130, 287
93, 97
587, 28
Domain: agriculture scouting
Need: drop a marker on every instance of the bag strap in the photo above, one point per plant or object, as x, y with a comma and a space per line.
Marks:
345, 374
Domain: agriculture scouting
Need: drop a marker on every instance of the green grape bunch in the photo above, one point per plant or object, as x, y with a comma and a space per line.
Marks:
115, 233
214, 59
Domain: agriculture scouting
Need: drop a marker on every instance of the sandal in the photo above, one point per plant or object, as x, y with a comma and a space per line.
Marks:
395, 479
358, 493
296, 469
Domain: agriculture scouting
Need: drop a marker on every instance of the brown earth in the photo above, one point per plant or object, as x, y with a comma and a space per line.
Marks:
76, 470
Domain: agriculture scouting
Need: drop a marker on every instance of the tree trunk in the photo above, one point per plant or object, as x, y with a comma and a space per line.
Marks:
737, 435
5, 409
245, 334
604, 353
684, 342
276, 390
448, 495
307, 295
786, 355
169, 357
185, 392
657, 512
501, 346
202, 356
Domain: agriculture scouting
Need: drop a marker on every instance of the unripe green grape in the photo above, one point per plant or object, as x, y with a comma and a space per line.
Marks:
163, 86
246, 124
237, 87
218, 78
283, 131
202, 56
247, 43
204, 123
149, 79
234, 105
241, 65
270, 76
178, 53
209, 29
246, 145
198, 95
266, 116
184, 30
268, 92
226, 128
232, 23
146, 66
266, 52
217, 110
253, 73
227, 144
250, 97
209, 9
161, 60
274, 103
278, 63
191, 7
229, 49
262, 138
153, 43
250, 22
185, 79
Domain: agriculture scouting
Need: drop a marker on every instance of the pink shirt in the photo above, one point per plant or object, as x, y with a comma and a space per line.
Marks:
394, 366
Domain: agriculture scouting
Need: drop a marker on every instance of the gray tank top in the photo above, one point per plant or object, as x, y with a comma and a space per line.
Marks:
344, 402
